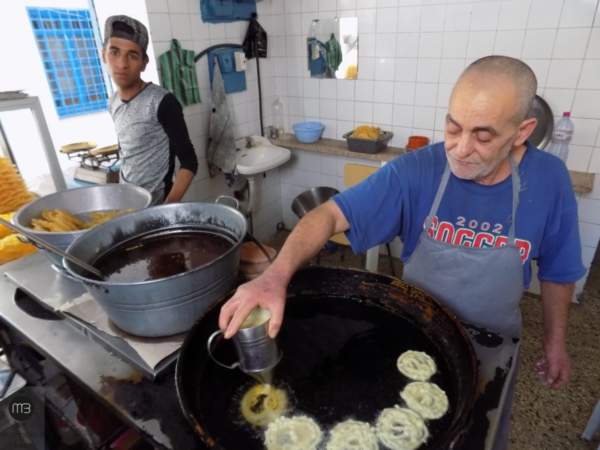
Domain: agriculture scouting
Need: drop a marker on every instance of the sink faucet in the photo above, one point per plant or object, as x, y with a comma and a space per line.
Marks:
249, 142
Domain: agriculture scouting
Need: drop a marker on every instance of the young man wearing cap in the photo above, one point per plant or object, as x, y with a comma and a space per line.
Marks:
148, 119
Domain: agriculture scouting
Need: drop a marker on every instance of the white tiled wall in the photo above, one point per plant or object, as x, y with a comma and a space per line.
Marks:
180, 19
412, 51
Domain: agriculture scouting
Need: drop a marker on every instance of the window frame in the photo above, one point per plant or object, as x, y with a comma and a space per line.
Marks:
76, 81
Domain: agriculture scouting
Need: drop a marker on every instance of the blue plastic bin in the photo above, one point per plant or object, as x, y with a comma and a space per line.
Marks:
308, 132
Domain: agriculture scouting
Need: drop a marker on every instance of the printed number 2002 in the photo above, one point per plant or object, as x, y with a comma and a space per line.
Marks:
473, 224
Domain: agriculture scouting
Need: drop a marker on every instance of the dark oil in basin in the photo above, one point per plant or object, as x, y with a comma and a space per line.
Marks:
339, 363
162, 255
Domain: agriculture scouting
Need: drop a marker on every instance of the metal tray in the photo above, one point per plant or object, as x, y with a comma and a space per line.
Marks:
368, 145
543, 131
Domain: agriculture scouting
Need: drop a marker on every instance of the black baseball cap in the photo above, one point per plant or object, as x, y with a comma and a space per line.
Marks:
134, 30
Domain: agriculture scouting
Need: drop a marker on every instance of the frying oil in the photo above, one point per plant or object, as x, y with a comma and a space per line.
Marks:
339, 362
161, 255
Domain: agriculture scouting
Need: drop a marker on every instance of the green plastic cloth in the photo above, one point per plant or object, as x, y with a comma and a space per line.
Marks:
334, 53
178, 73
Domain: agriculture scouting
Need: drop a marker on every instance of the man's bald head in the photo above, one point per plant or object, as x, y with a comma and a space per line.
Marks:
487, 117
503, 69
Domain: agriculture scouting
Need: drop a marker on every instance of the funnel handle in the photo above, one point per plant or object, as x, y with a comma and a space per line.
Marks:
209, 346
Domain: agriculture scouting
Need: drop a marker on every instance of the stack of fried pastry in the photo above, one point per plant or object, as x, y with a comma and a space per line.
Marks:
13, 191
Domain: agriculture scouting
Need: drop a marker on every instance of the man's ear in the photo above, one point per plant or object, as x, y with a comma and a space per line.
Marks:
103, 55
145, 61
525, 130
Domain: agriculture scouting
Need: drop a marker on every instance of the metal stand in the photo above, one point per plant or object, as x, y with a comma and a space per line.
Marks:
33, 103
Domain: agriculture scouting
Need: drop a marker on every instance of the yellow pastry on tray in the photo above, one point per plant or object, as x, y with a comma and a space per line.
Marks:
12, 248
4, 231
351, 72
60, 221
366, 132
13, 191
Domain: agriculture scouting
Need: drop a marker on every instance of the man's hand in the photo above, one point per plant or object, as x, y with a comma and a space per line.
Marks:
555, 367
267, 291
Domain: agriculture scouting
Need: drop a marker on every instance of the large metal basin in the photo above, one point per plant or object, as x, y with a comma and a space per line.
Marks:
311, 198
80, 202
166, 306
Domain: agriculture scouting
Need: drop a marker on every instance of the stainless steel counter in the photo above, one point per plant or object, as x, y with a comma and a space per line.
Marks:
53, 290
150, 407
335, 147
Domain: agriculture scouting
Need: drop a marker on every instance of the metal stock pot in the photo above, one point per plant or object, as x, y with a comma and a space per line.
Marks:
164, 306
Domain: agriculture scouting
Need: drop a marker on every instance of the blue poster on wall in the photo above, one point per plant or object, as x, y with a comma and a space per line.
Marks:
224, 11
235, 81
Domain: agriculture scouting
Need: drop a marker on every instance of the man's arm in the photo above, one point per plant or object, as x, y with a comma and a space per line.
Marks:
170, 116
269, 289
180, 186
556, 302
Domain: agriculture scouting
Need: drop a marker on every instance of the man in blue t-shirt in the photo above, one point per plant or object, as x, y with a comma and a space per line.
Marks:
472, 213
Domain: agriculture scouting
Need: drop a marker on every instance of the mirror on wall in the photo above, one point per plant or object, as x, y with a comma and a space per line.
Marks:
332, 47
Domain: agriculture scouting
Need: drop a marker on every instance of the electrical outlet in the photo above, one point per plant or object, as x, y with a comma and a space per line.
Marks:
240, 61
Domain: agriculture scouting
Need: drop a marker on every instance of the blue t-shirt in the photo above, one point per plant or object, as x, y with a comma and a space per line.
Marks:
396, 200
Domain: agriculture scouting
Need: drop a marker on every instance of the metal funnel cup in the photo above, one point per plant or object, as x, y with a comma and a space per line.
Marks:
257, 353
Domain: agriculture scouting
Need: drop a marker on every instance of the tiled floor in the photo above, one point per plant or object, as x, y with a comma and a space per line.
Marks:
542, 419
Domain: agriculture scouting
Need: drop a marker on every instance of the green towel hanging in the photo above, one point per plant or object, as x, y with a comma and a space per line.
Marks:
334, 53
178, 73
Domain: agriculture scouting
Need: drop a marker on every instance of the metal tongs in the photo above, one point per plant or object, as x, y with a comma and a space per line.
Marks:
45, 245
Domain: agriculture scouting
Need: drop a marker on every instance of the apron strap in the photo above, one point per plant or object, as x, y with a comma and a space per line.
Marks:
516, 187
438, 197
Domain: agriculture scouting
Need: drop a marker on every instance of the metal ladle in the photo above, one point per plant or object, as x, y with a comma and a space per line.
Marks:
40, 242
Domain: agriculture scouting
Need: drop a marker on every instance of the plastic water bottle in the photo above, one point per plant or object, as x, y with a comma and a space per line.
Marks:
561, 136
277, 111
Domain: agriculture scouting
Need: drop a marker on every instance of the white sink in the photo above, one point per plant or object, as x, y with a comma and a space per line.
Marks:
261, 157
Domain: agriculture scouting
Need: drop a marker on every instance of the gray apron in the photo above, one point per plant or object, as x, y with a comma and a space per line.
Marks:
481, 286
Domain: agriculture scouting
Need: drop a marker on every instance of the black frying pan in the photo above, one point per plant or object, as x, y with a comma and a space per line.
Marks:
342, 334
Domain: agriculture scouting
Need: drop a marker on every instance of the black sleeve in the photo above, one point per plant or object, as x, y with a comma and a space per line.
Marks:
170, 116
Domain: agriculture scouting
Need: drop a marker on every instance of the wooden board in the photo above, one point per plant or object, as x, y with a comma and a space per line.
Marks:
108, 150
583, 182
355, 173
78, 147
340, 238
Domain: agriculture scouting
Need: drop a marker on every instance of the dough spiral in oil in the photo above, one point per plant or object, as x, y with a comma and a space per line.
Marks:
401, 429
417, 366
352, 435
426, 399
296, 433
263, 403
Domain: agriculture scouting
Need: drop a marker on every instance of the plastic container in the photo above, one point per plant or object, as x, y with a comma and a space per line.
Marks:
561, 136
277, 111
416, 142
368, 145
308, 132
